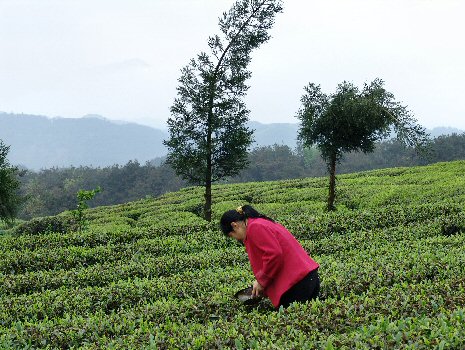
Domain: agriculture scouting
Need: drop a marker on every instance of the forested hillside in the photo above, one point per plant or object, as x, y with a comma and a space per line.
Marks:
51, 191
152, 274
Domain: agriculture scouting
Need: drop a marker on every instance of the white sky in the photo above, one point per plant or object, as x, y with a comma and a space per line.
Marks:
122, 58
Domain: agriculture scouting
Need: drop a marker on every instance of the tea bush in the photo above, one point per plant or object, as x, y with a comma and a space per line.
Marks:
152, 274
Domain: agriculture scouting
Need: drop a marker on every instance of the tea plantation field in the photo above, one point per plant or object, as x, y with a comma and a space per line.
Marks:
153, 275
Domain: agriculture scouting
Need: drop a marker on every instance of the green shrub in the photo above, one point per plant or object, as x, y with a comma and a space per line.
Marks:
45, 224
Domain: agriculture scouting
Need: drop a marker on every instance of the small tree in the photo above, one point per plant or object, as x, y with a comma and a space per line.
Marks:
9, 187
352, 120
83, 196
208, 134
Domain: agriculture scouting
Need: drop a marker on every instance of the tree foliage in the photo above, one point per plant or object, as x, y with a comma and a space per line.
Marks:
351, 120
79, 213
9, 186
208, 133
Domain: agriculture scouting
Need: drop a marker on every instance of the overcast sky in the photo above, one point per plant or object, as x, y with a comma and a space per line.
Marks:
121, 58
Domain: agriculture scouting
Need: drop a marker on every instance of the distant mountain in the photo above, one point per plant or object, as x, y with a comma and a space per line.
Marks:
39, 142
438, 131
275, 133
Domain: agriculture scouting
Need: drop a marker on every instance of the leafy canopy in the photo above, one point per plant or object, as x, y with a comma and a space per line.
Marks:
353, 120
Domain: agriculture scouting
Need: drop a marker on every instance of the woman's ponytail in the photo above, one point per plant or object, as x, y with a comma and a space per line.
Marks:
239, 214
250, 212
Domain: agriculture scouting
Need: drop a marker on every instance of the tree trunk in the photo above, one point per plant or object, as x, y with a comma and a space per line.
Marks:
207, 211
332, 183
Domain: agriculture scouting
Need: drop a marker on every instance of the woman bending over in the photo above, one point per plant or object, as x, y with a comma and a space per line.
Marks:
284, 272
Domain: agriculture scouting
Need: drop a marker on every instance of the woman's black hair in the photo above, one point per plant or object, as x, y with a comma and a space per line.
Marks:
240, 214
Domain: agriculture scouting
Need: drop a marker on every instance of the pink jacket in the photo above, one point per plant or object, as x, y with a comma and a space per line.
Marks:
277, 259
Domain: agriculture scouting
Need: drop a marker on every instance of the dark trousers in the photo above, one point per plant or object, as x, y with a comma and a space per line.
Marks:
307, 288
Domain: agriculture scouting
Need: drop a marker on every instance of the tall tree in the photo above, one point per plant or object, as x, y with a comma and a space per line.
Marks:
9, 187
353, 120
208, 136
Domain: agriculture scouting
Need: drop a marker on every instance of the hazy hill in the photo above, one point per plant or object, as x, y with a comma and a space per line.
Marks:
275, 133
435, 132
39, 142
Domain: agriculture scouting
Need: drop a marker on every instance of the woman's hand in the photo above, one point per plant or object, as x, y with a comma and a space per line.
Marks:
257, 289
